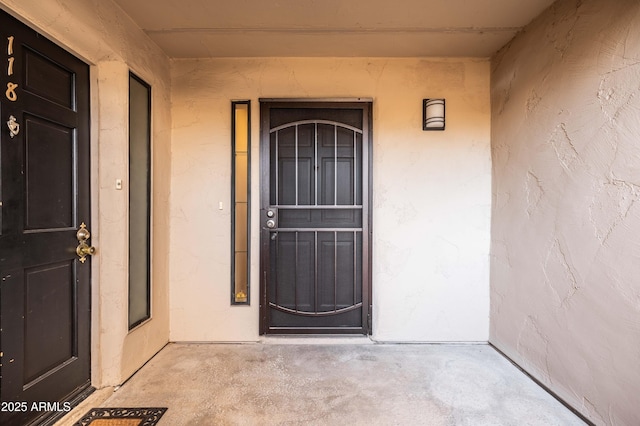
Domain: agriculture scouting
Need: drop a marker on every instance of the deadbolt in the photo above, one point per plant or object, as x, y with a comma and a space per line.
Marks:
270, 213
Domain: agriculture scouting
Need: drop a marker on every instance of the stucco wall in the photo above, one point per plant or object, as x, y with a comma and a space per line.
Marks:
100, 34
431, 191
565, 275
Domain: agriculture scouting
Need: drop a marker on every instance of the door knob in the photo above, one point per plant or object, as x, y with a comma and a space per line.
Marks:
83, 250
271, 224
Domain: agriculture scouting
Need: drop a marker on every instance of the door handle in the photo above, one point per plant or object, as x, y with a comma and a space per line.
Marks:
83, 250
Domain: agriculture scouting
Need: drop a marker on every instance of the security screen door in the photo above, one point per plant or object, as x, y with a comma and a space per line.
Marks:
315, 217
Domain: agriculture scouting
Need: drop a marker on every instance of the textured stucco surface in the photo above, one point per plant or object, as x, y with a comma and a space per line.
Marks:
431, 191
565, 274
104, 37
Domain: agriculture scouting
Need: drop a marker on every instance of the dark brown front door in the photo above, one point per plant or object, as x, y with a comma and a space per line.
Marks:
45, 290
315, 217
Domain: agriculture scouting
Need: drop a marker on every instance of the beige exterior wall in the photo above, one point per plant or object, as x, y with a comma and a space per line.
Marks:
565, 275
431, 191
100, 34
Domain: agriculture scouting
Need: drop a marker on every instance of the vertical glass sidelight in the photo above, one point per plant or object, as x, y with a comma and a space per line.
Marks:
139, 201
240, 193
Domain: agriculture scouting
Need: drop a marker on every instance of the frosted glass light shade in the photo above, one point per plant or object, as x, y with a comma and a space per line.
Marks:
433, 114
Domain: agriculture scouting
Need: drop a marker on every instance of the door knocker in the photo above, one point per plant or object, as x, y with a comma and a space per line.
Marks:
14, 127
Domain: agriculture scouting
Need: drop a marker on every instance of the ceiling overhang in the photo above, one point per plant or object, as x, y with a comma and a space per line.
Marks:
328, 28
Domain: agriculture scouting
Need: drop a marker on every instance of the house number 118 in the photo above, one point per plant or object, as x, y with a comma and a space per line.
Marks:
11, 87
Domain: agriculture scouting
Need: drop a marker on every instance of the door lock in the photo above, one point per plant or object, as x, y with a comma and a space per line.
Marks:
83, 250
271, 224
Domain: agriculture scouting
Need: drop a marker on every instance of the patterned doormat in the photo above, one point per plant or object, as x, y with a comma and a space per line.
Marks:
121, 417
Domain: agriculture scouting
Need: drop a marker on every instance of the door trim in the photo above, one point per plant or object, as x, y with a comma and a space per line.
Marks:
366, 104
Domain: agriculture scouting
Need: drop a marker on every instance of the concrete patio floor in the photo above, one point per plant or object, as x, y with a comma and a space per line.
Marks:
295, 382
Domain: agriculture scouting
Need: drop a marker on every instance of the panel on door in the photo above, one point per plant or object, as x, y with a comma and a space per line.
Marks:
44, 289
315, 218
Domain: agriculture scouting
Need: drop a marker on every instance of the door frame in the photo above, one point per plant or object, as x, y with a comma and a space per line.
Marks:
366, 104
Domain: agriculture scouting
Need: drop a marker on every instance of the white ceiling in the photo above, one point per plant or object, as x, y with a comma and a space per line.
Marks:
388, 28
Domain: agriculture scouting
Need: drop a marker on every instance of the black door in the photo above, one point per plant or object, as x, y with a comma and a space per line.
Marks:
45, 290
315, 217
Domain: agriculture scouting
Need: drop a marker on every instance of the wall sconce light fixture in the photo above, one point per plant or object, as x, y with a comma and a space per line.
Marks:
433, 114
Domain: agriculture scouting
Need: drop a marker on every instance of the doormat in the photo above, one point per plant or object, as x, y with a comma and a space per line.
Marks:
122, 417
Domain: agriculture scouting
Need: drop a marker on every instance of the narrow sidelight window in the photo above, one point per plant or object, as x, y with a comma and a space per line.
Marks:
139, 201
240, 181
